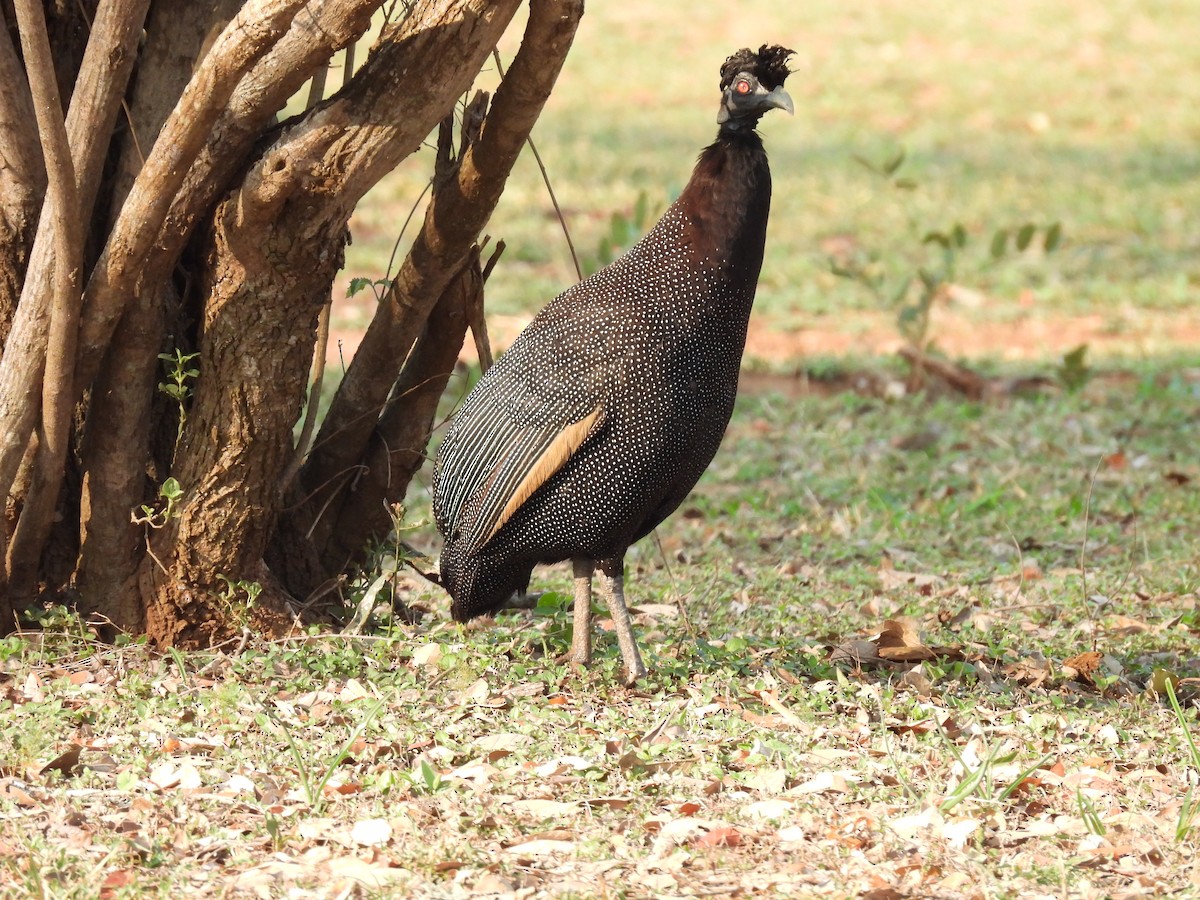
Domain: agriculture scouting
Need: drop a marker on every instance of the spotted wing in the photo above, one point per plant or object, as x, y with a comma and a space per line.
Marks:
519, 426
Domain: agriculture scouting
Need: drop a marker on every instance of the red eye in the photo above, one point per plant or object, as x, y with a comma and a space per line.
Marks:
743, 87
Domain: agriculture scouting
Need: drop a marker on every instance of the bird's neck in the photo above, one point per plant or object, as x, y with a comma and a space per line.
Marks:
726, 204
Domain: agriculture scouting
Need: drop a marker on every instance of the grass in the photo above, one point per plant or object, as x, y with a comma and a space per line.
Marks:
433, 760
1066, 112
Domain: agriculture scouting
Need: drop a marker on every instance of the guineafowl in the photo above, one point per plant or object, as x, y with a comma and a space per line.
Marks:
603, 414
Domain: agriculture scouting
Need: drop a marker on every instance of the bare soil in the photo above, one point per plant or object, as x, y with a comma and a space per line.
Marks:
960, 332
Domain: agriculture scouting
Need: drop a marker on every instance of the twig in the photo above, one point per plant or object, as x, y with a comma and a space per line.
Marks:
562, 220
962, 379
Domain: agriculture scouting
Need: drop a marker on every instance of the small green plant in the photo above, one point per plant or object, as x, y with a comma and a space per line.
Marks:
425, 779
913, 292
237, 599
170, 493
1074, 372
1190, 805
1087, 812
313, 781
180, 375
379, 286
624, 230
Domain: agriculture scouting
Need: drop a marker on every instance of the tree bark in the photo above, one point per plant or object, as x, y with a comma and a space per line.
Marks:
277, 243
115, 455
453, 220
66, 229
132, 241
22, 186
22, 180
95, 102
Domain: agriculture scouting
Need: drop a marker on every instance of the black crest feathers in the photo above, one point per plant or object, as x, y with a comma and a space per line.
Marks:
768, 65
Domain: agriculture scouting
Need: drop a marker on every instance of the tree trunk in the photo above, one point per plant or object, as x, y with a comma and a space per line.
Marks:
204, 227
115, 456
22, 181
398, 448
278, 244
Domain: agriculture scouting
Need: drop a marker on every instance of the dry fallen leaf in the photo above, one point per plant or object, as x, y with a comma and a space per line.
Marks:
544, 809
371, 832
608, 802
854, 653
371, 877
66, 763
1084, 666
724, 836
1031, 671
899, 642
1124, 625
541, 847
822, 782
427, 655
890, 579
774, 808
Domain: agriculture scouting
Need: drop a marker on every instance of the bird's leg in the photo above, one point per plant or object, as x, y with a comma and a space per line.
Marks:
612, 583
581, 636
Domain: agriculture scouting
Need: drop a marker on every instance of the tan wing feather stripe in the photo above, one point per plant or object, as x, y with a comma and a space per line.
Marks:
553, 458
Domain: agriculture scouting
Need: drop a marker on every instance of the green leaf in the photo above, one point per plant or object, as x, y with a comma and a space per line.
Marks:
999, 243
936, 237
959, 234
357, 285
1074, 372
1025, 236
1053, 237
892, 165
170, 489
641, 209
905, 184
901, 291
551, 603
866, 163
430, 776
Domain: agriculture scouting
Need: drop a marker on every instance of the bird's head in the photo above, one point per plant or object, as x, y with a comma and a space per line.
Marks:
751, 84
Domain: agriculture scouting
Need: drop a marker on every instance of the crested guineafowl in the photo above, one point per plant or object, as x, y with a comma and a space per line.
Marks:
603, 414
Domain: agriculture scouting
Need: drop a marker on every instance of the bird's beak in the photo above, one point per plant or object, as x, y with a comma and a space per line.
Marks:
779, 99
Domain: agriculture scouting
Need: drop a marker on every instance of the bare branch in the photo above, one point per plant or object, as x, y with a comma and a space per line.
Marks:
105, 69
325, 27
64, 223
398, 448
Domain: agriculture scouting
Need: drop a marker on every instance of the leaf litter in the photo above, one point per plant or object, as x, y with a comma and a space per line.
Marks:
891, 698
